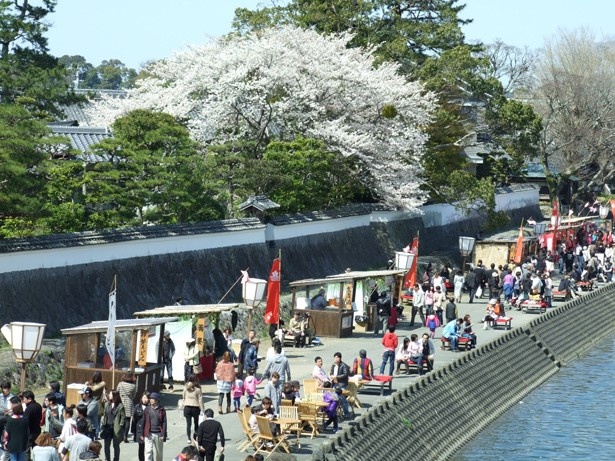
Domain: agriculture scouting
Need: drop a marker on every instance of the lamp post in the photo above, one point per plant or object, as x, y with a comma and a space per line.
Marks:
466, 246
403, 262
253, 292
25, 340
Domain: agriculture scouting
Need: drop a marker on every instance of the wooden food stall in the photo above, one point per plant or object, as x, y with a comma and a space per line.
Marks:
350, 296
202, 319
86, 353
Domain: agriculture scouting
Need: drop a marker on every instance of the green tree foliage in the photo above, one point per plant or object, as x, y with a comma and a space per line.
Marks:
28, 74
303, 175
23, 143
154, 175
111, 74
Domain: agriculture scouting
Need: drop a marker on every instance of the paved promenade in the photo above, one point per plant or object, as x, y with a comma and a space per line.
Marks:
302, 363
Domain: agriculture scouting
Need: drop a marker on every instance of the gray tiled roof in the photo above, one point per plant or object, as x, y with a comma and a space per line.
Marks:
473, 152
342, 212
76, 112
82, 138
260, 202
121, 235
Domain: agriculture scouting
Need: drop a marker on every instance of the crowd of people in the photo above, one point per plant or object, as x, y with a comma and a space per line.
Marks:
105, 418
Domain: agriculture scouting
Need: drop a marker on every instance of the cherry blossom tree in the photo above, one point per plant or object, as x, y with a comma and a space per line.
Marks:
287, 82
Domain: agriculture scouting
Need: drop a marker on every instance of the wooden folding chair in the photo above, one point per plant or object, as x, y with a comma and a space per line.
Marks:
310, 386
352, 397
290, 413
266, 437
251, 436
309, 416
286, 403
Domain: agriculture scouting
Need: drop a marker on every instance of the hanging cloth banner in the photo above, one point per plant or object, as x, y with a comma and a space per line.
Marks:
272, 311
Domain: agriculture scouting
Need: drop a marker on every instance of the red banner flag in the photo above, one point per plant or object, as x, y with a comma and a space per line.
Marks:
272, 311
410, 278
555, 222
519, 249
612, 202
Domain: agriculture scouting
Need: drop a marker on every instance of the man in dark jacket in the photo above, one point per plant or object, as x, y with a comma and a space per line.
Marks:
207, 436
383, 311
471, 282
339, 375
34, 413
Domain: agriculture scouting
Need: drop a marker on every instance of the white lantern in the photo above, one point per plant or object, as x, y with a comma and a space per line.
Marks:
403, 261
603, 211
25, 339
466, 246
254, 291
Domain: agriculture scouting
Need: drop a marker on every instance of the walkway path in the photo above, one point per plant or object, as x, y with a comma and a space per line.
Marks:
302, 362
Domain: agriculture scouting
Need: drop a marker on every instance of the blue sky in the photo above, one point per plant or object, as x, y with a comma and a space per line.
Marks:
135, 31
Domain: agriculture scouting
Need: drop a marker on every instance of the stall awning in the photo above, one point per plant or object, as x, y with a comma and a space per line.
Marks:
346, 277
187, 309
100, 326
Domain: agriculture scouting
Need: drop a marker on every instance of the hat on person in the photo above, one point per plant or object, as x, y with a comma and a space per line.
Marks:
190, 340
86, 390
167, 333
155, 396
492, 301
362, 353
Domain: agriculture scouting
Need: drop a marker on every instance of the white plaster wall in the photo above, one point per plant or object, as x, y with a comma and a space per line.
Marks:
432, 215
60, 257
290, 231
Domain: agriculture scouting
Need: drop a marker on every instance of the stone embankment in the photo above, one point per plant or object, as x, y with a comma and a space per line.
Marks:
432, 418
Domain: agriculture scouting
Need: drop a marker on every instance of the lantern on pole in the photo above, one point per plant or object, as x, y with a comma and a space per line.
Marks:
253, 293
26, 340
466, 247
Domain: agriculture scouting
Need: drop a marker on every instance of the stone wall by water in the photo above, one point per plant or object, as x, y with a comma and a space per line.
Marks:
434, 417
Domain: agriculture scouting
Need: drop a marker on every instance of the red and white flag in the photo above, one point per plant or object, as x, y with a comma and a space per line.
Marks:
272, 311
410, 278
519, 248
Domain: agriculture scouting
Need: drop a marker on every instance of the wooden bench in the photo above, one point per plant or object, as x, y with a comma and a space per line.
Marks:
379, 381
502, 322
534, 306
411, 366
464, 343
585, 286
558, 295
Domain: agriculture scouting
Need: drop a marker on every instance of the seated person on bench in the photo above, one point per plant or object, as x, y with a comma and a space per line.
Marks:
297, 328
362, 367
429, 351
416, 352
451, 333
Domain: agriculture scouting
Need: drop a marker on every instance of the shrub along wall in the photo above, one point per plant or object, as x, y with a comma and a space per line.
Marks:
434, 417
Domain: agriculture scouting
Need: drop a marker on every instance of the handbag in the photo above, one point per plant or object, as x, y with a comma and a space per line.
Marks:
197, 369
106, 432
180, 404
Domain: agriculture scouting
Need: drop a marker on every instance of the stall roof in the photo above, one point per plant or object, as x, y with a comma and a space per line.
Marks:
100, 326
187, 309
346, 276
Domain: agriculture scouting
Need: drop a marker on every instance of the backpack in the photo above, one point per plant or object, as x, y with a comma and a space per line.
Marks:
431, 324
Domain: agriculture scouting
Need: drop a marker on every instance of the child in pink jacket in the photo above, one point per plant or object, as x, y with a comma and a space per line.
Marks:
250, 384
432, 322
237, 389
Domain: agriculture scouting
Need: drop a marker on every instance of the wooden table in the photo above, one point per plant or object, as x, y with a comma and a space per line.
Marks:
285, 424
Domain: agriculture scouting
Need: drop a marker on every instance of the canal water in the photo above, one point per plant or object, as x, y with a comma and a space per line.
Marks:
570, 417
